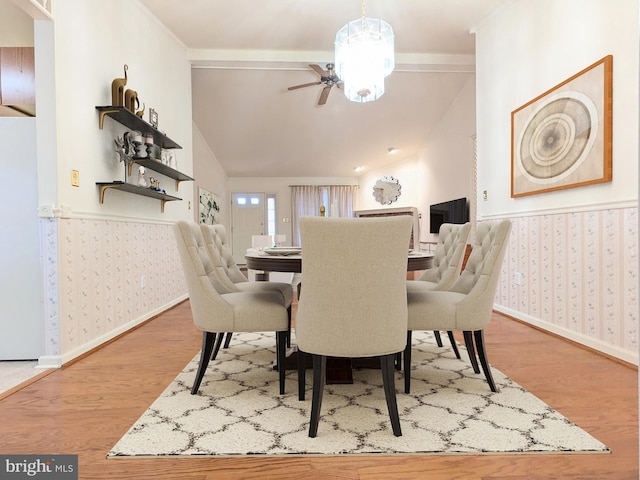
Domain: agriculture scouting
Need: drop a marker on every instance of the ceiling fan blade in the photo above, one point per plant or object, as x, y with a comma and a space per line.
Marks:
304, 85
319, 70
324, 95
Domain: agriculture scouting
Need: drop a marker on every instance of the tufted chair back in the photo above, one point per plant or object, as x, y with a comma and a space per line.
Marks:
214, 246
479, 279
202, 281
228, 263
449, 255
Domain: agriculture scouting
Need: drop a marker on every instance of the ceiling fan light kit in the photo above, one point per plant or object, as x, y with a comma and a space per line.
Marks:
364, 56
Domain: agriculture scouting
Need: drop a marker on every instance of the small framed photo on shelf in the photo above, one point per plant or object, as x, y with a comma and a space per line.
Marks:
153, 117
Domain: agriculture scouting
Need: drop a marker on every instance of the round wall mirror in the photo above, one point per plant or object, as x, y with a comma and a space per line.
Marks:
386, 190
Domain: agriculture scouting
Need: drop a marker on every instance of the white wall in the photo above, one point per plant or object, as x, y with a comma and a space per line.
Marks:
442, 170
577, 249
107, 267
209, 175
531, 47
112, 34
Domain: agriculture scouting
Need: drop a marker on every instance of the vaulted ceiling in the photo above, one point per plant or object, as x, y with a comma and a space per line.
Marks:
245, 53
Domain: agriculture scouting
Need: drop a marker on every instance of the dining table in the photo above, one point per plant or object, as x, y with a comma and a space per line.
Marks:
289, 260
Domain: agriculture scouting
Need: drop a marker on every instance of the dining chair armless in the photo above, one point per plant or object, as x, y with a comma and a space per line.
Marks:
214, 312
234, 280
354, 302
447, 264
468, 304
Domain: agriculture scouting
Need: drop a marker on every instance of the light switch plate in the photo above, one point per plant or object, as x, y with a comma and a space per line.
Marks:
75, 178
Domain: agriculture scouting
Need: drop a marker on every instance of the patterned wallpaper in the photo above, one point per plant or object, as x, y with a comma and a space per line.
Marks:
579, 272
101, 265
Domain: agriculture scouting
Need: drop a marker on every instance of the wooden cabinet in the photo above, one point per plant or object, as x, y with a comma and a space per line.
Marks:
17, 79
130, 120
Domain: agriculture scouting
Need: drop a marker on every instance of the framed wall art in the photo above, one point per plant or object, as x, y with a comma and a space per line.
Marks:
562, 138
209, 207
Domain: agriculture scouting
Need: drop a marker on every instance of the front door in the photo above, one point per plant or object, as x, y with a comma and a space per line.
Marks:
248, 215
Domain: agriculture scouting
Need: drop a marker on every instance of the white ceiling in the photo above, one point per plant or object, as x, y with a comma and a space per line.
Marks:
245, 53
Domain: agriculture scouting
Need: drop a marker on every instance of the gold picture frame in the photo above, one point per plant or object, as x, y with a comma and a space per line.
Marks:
562, 138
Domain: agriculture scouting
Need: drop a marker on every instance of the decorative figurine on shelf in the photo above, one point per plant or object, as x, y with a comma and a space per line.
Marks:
122, 148
117, 89
134, 139
140, 113
131, 101
142, 182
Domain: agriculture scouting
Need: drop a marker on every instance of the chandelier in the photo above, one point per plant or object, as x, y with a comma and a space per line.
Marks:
364, 57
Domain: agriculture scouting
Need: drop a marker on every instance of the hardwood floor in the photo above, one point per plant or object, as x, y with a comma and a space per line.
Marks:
86, 407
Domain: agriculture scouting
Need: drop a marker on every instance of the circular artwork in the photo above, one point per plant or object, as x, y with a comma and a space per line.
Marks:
557, 137
386, 190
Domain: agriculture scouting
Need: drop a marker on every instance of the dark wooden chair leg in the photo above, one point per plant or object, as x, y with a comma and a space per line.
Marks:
454, 344
207, 346
482, 353
319, 373
289, 327
388, 380
227, 339
436, 334
216, 349
468, 342
281, 348
302, 373
407, 364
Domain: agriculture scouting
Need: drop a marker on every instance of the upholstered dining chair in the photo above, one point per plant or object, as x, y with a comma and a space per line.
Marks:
355, 298
234, 280
468, 303
447, 264
214, 312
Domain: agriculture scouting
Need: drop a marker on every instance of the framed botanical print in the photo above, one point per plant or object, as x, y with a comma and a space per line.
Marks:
209, 207
562, 138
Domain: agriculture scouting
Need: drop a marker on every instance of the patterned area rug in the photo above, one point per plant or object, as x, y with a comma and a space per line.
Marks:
450, 411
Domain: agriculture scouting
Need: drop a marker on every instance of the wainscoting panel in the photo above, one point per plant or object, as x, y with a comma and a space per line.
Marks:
579, 274
112, 273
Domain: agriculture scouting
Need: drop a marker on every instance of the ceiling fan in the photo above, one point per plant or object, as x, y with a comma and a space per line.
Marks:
328, 77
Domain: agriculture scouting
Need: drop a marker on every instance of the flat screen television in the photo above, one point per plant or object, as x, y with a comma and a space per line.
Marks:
453, 211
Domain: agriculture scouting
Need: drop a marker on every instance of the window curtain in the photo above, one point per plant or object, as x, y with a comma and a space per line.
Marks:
306, 200
342, 200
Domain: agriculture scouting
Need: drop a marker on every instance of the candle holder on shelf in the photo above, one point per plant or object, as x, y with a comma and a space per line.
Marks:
148, 141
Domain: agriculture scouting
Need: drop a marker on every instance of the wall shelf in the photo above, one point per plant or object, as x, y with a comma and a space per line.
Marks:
130, 188
133, 122
162, 169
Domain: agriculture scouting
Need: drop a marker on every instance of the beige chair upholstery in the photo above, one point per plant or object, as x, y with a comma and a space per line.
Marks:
447, 259
354, 302
215, 312
229, 272
233, 279
468, 304
447, 263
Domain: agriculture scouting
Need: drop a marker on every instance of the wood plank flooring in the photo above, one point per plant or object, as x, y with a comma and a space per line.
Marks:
86, 407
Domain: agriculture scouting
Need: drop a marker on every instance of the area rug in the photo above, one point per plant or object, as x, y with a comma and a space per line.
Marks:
450, 410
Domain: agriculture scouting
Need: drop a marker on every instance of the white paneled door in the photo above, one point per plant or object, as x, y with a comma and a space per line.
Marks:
248, 218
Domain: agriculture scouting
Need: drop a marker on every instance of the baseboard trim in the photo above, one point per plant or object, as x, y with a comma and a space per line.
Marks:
589, 342
57, 361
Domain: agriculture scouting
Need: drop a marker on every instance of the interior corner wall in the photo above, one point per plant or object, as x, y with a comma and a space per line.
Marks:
441, 171
210, 176
576, 249
115, 262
